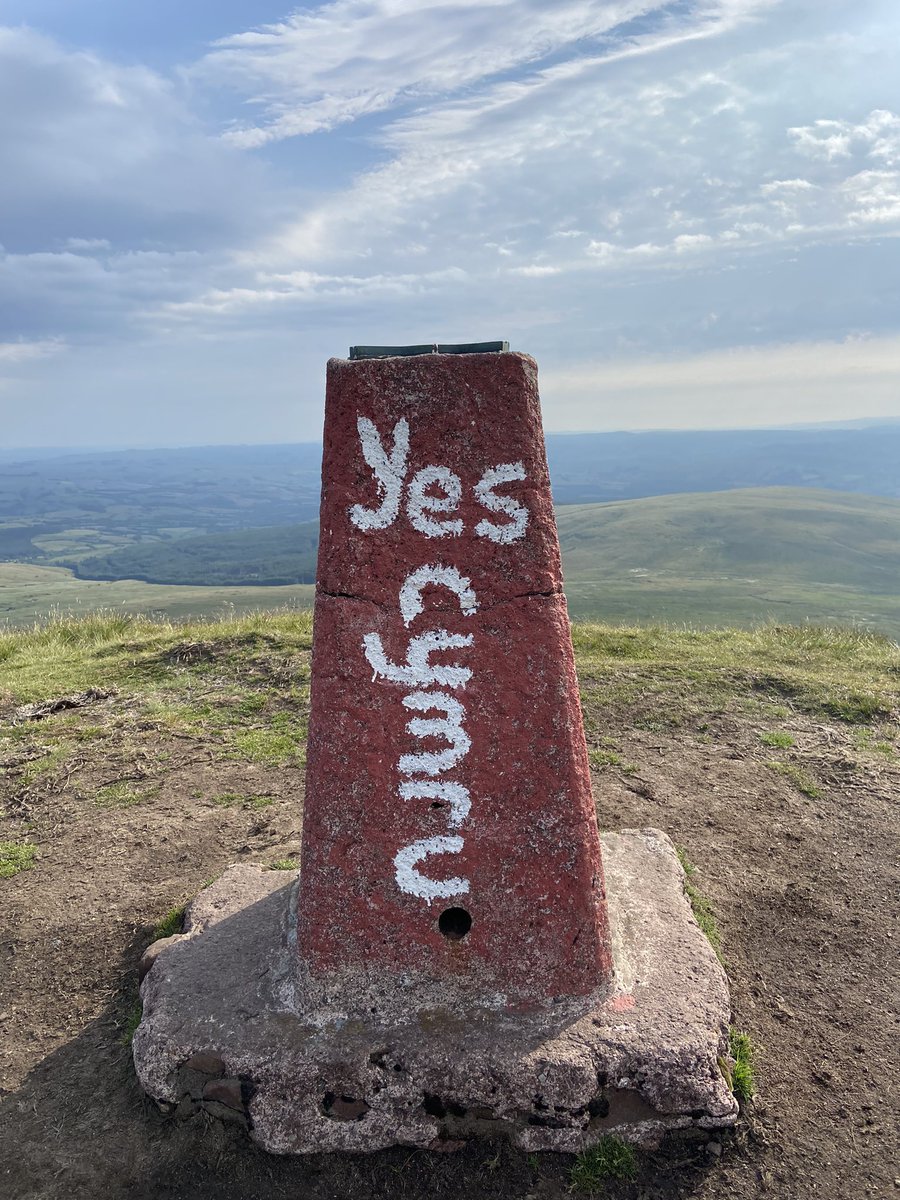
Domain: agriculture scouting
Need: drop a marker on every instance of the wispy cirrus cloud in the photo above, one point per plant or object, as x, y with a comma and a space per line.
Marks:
352, 58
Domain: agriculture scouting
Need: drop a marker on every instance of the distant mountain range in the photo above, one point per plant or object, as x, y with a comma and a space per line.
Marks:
599, 466
177, 493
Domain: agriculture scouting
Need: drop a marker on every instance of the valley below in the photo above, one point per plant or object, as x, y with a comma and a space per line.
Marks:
730, 558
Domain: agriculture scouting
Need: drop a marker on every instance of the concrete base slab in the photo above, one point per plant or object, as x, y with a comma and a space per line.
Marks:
223, 1029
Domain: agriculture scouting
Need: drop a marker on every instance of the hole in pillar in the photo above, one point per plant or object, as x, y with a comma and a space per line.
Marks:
343, 1108
434, 1106
454, 923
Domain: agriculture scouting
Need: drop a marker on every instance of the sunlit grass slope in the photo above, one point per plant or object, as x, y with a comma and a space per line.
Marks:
845, 674
797, 534
736, 558
29, 592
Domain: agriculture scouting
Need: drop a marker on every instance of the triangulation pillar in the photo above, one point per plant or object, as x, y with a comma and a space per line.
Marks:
448, 964
450, 846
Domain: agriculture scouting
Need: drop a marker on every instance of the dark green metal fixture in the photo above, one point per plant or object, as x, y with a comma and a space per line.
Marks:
436, 348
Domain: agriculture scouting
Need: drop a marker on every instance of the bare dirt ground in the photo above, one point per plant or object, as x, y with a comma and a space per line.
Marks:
804, 889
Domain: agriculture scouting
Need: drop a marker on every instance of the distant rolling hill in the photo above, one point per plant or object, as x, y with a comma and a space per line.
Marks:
807, 536
736, 558
731, 557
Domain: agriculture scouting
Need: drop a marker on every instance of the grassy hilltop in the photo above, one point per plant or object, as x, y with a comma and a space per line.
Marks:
771, 756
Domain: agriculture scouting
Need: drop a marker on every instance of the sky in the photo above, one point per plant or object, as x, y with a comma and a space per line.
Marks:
687, 212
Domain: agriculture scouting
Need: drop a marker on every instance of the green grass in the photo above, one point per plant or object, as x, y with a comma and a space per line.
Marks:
15, 857
122, 795
609, 758
777, 737
742, 1082
232, 799
227, 799
29, 593
285, 864
610, 1159
837, 673
741, 557
171, 923
799, 778
700, 906
877, 739
132, 1020
70, 653
257, 802
268, 746
45, 765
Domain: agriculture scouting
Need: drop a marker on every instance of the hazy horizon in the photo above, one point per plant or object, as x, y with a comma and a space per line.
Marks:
95, 448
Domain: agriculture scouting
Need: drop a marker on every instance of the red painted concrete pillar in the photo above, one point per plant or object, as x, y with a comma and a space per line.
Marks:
450, 846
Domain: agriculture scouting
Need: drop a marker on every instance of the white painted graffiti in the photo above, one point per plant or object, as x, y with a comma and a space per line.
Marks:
411, 603
390, 471
416, 884
434, 762
454, 795
420, 502
505, 473
419, 673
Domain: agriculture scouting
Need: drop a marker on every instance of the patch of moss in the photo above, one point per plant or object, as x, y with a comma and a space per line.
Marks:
777, 737
609, 758
122, 795
267, 746
798, 777
171, 923
132, 1020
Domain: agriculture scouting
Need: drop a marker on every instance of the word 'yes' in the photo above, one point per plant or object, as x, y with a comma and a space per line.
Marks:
422, 505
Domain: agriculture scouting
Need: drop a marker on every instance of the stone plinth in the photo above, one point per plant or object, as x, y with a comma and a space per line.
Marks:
223, 1030
450, 847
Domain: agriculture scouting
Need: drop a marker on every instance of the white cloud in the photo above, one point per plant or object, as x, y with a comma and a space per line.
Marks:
114, 196
306, 287
878, 136
22, 351
322, 68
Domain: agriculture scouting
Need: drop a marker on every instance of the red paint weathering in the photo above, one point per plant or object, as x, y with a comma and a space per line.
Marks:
447, 767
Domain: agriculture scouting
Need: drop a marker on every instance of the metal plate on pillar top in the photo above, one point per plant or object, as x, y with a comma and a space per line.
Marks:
357, 352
